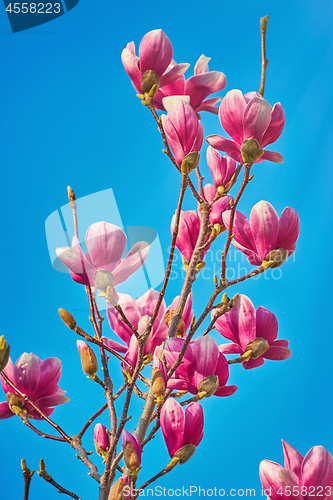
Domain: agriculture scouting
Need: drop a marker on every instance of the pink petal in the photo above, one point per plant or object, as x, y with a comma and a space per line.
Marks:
170, 76
275, 127
189, 227
257, 117
281, 343
201, 66
270, 480
218, 209
226, 391
27, 373
10, 371
231, 116
222, 369
114, 345
50, 401
194, 422
231, 148
133, 260
264, 224
130, 62
173, 425
131, 312
205, 354
267, 324
230, 349
209, 192
239, 324
170, 100
74, 259
253, 363
292, 459
289, 225
271, 156
198, 87
101, 436
172, 348
50, 373
106, 244
155, 52
5, 412
211, 108
317, 468
178, 384
277, 353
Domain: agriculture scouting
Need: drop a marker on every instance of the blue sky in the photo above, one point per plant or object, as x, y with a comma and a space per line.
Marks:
70, 116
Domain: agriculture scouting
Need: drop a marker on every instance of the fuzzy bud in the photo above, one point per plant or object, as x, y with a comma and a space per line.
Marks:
67, 318
118, 491
209, 385
158, 383
258, 347
88, 358
190, 162
148, 80
277, 256
13, 400
181, 326
131, 458
4, 353
251, 151
185, 453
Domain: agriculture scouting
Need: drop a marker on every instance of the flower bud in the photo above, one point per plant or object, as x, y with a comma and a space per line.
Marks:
119, 490
103, 279
258, 347
157, 383
251, 151
209, 385
4, 353
190, 162
185, 453
181, 326
88, 358
13, 400
67, 318
148, 80
101, 440
277, 256
132, 450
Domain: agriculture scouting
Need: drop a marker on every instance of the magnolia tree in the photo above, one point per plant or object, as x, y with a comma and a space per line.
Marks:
166, 358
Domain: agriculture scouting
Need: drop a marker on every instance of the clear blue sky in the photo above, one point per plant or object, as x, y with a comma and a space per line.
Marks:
70, 116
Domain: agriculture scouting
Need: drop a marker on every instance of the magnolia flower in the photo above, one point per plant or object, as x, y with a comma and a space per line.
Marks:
132, 450
265, 239
195, 89
248, 117
88, 358
181, 428
106, 244
222, 168
38, 380
139, 313
203, 368
101, 440
243, 325
309, 477
219, 206
183, 130
189, 228
155, 54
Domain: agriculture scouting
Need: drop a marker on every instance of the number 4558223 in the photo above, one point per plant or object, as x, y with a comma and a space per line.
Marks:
33, 8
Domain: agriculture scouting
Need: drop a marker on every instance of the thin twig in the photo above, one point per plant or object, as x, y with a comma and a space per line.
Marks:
46, 476
126, 321
264, 60
26, 421
91, 419
27, 476
72, 202
164, 471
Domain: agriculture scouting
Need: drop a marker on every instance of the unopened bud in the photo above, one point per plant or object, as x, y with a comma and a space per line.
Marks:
4, 353
88, 359
181, 326
131, 459
251, 151
277, 256
258, 347
118, 491
264, 22
14, 402
148, 80
200, 266
67, 318
221, 189
42, 464
209, 385
158, 382
190, 162
24, 465
103, 279
234, 300
71, 194
185, 453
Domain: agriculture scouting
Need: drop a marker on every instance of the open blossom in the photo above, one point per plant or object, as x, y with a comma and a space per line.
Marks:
219, 206
222, 168
243, 324
189, 228
106, 244
183, 130
139, 312
38, 380
155, 54
194, 90
248, 117
265, 238
202, 360
179, 427
132, 450
301, 477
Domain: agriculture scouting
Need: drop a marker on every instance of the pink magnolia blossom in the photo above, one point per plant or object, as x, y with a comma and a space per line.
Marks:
180, 428
155, 54
219, 206
106, 244
189, 228
194, 90
139, 312
243, 324
222, 168
314, 473
202, 359
246, 117
183, 130
38, 380
265, 232
101, 439
135, 442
